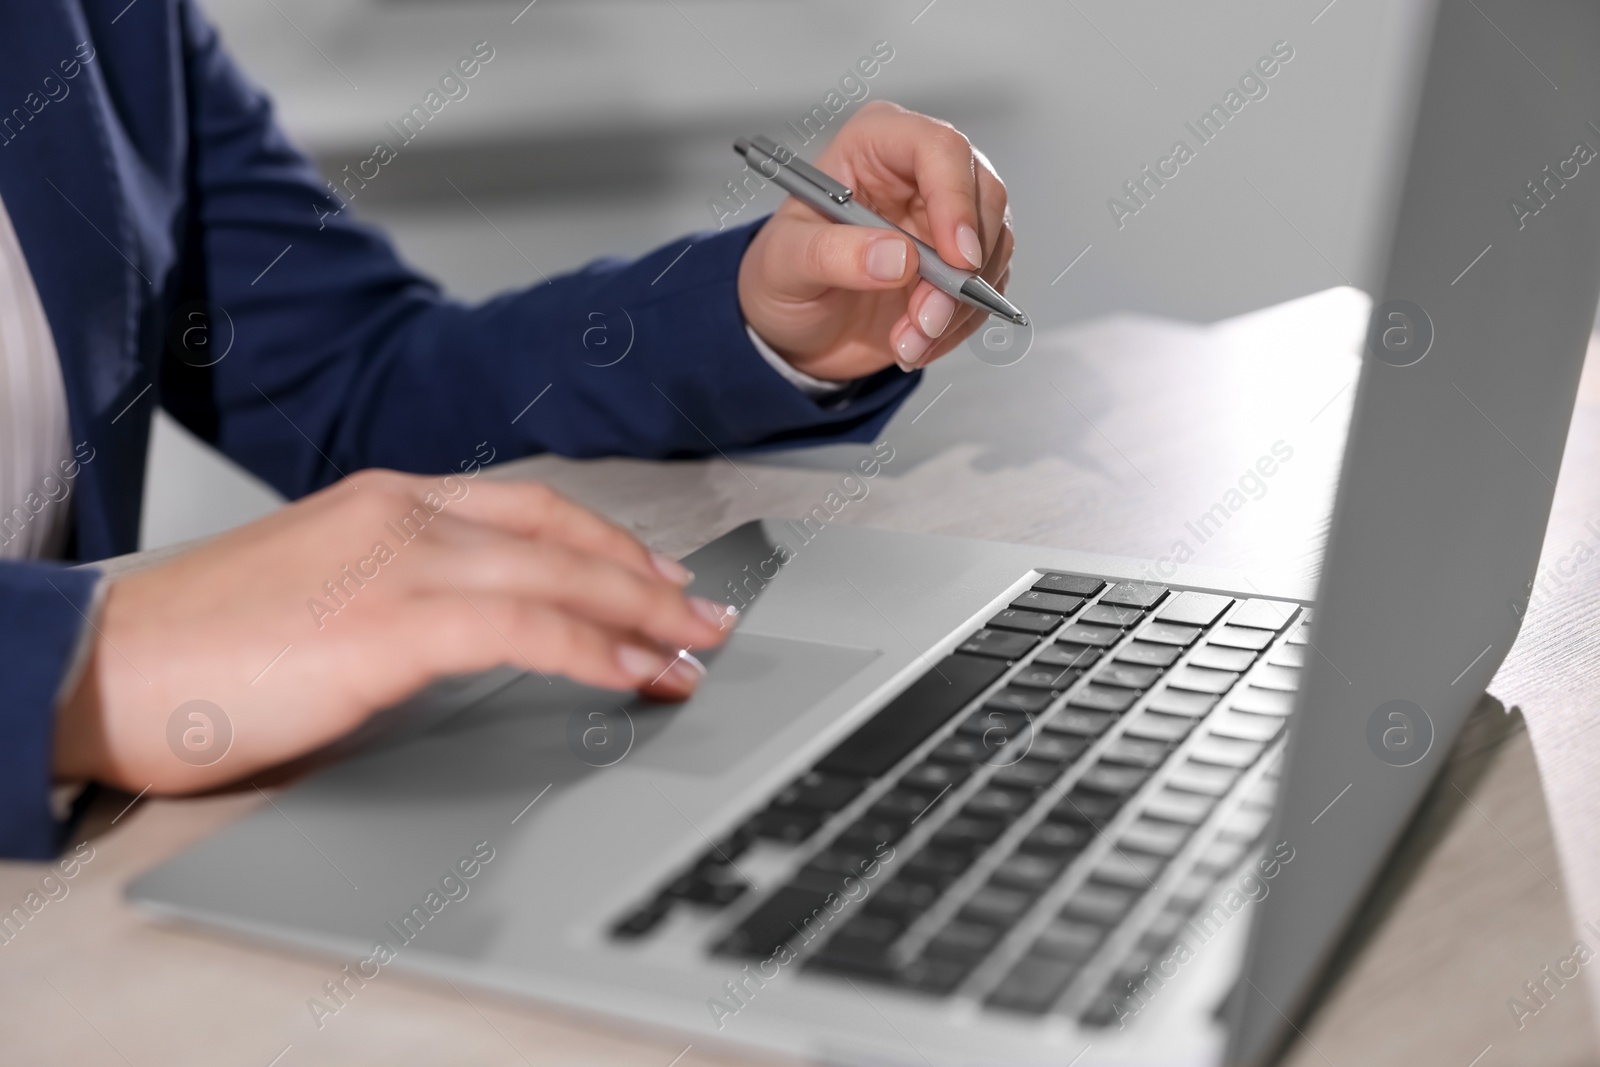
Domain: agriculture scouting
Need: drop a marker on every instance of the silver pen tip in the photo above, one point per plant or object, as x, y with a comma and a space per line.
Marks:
991, 301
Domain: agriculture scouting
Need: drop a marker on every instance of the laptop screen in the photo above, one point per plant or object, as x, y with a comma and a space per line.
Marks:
1469, 378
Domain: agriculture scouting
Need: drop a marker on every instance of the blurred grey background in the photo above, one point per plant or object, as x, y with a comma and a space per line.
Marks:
602, 127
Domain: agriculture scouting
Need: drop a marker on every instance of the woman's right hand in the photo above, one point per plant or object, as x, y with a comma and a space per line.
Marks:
302, 624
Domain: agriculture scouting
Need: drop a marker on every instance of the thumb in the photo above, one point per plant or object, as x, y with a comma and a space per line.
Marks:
807, 258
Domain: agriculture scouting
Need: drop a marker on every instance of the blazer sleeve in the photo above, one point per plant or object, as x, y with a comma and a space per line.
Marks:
340, 357
43, 610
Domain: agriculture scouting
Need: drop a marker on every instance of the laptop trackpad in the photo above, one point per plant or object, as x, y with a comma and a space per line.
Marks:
755, 685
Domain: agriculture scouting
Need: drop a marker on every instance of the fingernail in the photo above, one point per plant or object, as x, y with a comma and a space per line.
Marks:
935, 315
640, 664
671, 569
683, 675
909, 349
971, 247
718, 615
886, 259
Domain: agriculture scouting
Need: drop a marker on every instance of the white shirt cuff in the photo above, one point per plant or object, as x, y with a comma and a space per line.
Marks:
815, 388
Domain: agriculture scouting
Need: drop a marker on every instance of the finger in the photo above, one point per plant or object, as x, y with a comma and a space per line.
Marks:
994, 216
974, 322
533, 510
936, 322
472, 559
806, 258
939, 160
458, 634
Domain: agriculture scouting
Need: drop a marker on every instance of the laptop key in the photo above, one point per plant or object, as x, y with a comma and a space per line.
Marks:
1133, 870
1154, 726
1134, 594
1028, 774
1100, 904
1154, 838
1245, 726
1068, 654
1136, 752
904, 899
1031, 701
1071, 584
1113, 781
1146, 654
1288, 656
937, 866
905, 721
1085, 634
645, 919
1262, 614
1005, 735
936, 976
860, 948
1226, 751
1267, 676
1029, 622
1182, 702
960, 749
1030, 871
1240, 637
1245, 825
1056, 748
1008, 645
965, 942
995, 905
968, 833
786, 825
1078, 723
1103, 698
1173, 806
1162, 932
999, 803
1190, 893
1220, 857
774, 922
1169, 633
1194, 609
901, 803
1262, 701
1202, 680
1055, 679
1112, 615
1056, 839
872, 830
1222, 659
1034, 984
1203, 778
1055, 603
936, 777
1091, 809
1068, 940
1126, 675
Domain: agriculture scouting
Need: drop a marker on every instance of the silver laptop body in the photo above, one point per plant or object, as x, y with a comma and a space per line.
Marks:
956, 802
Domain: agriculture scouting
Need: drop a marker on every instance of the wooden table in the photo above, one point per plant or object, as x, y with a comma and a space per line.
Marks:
1111, 436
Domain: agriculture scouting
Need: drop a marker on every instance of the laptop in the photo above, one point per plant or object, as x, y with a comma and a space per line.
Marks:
950, 802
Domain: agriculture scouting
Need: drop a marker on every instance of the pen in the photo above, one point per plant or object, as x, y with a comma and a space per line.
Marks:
778, 164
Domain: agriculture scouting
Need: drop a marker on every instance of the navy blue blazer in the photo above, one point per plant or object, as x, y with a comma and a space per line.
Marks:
187, 255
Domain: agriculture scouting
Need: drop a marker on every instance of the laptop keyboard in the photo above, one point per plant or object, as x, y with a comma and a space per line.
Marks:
1034, 819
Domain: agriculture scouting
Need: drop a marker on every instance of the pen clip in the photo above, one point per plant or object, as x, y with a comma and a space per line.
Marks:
834, 190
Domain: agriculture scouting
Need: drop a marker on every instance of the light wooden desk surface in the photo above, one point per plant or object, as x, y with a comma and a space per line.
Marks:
1109, 437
